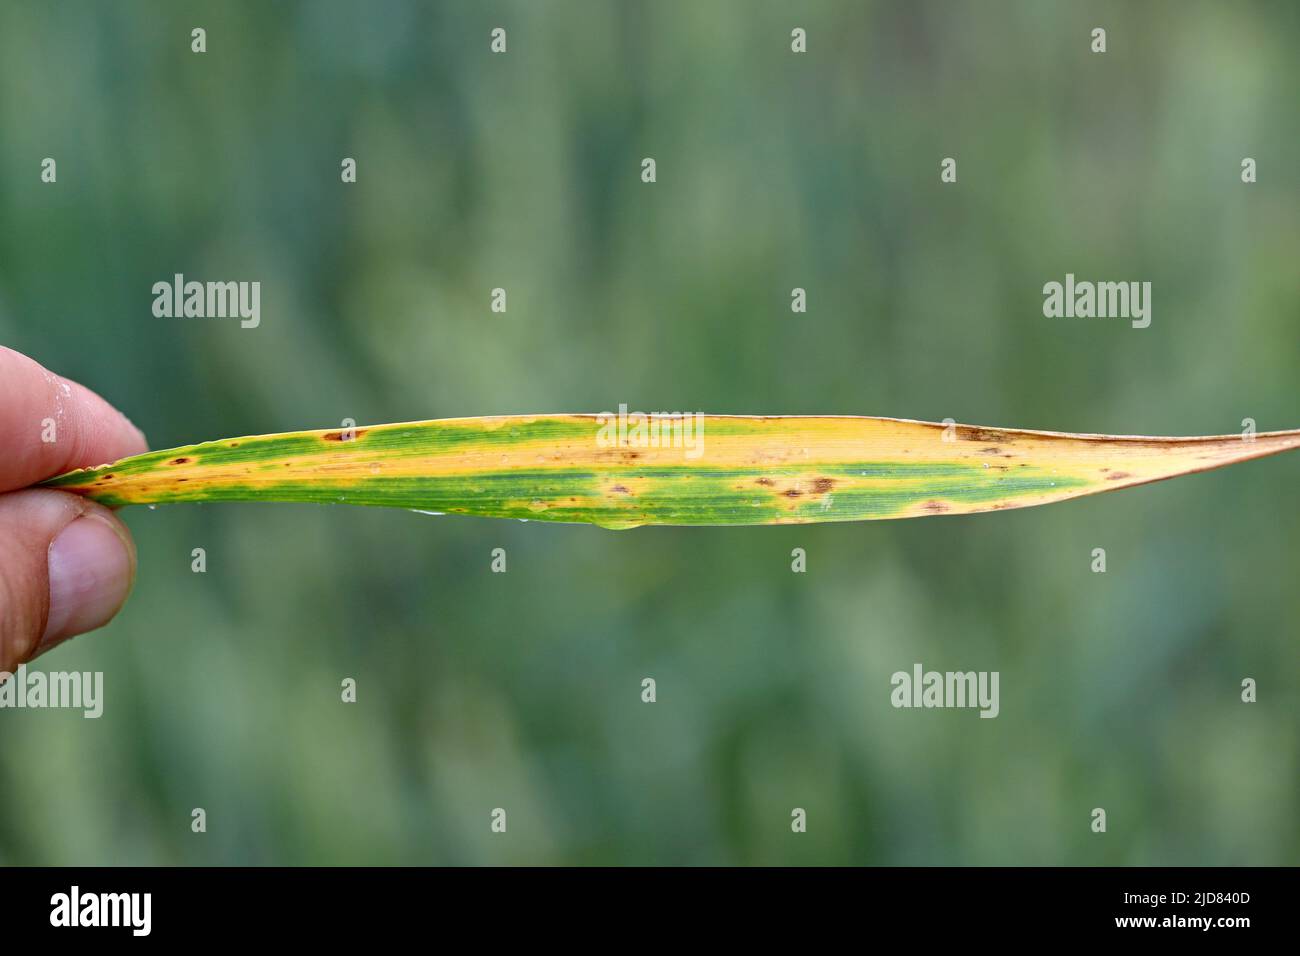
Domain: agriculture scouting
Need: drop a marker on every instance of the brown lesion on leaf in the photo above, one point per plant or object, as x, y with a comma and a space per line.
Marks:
765, 482
934, 507
617, 454
793, 493
620, 490
1117, 475
975, 433
356, 434
179, 461
823, 485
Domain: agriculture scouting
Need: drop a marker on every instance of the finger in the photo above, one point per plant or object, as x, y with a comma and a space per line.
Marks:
66, 567
49, 425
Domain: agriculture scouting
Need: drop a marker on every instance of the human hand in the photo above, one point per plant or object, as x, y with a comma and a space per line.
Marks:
66, 563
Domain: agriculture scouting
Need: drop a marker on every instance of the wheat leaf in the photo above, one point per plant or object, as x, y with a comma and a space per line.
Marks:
743, 470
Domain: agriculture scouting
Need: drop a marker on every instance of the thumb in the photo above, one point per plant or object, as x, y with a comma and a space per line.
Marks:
66, 567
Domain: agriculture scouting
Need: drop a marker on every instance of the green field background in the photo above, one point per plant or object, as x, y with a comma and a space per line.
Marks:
775, 170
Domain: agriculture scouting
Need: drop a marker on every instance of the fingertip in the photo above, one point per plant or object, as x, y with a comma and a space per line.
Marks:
50, 424
67, 565
91, 566
108, 431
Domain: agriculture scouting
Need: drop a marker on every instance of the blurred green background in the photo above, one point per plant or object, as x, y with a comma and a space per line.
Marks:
479, 690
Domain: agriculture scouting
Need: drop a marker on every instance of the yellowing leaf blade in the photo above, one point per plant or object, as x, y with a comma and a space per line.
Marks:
737, 470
